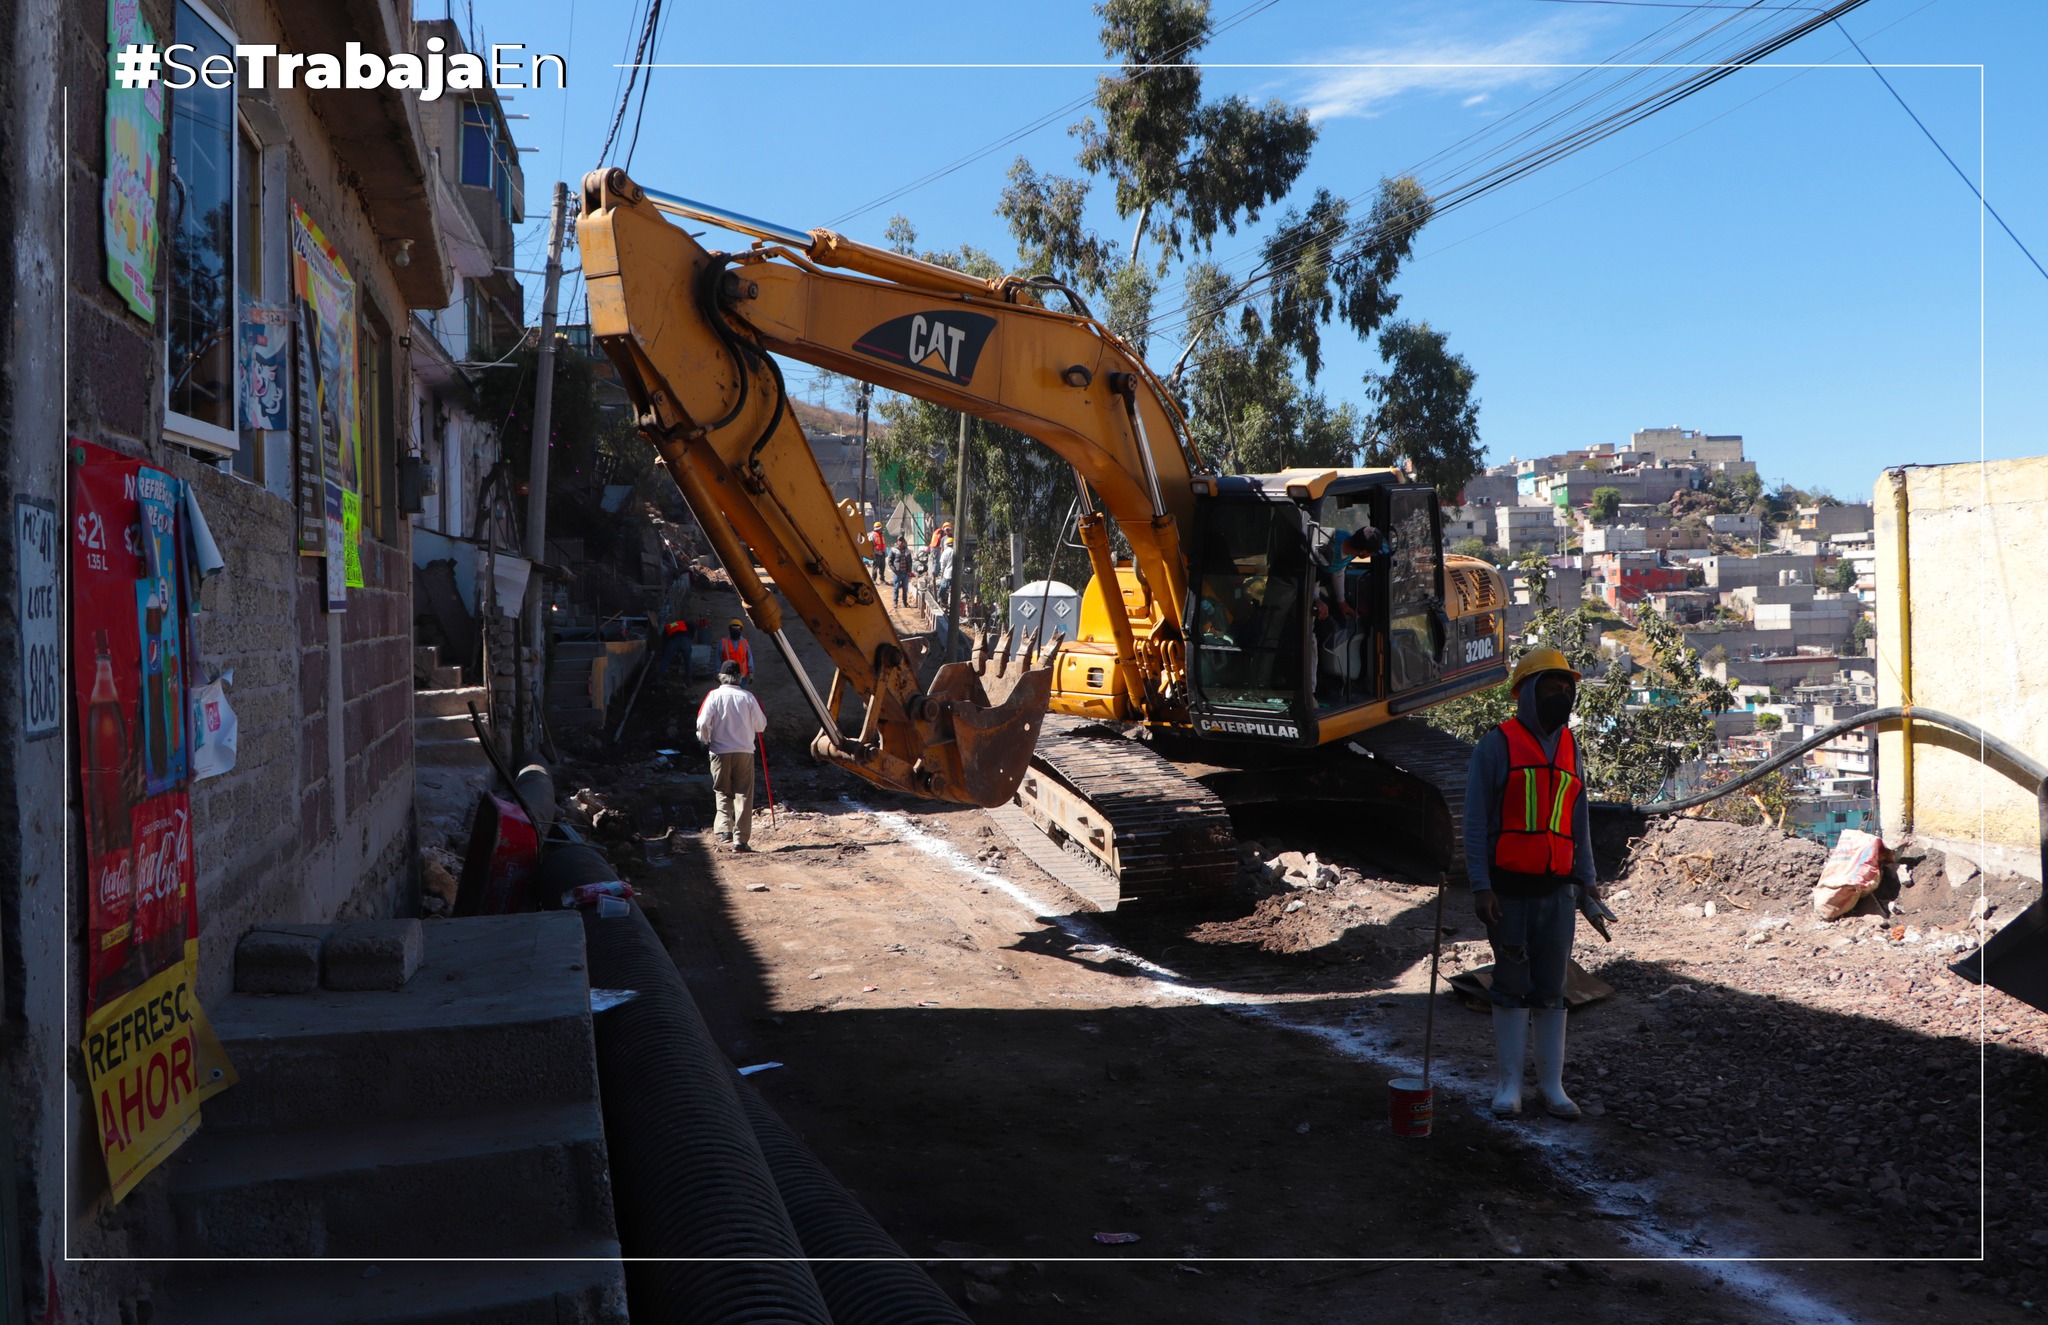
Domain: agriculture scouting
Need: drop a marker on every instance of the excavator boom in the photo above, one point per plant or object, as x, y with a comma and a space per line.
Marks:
693, 333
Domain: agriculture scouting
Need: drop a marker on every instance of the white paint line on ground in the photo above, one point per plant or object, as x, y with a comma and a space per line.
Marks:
1567, 1150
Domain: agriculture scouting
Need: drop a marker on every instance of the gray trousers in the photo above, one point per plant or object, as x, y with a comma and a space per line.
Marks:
1532, 946
732, 782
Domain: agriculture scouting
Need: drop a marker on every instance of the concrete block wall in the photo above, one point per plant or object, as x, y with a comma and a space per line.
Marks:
315, 822
1973, 539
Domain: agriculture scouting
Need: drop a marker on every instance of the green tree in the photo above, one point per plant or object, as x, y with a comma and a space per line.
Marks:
1769, 722
1184, 167
504, 396
1606, 505
1843, 578
1425, 412
1625, 752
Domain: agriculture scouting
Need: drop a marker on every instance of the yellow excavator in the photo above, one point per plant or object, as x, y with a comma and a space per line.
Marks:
1265, 637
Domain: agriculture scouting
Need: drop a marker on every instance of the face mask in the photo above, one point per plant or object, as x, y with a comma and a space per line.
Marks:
734, 633
1555, 710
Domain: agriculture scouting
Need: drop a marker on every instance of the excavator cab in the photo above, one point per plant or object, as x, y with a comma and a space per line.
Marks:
1302, 636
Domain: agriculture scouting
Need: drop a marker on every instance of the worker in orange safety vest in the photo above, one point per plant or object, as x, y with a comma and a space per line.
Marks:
1529, 856
735, 649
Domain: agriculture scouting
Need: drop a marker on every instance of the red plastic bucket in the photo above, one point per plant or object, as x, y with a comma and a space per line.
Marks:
1409, 1106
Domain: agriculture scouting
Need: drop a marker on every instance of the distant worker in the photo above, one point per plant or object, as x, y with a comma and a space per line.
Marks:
900, 567
735, 651
729, 721
676, 645
878, 553
942, 569
939, 536
1529, 855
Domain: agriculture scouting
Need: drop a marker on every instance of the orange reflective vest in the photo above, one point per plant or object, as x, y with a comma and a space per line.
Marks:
1537, 804
739, 651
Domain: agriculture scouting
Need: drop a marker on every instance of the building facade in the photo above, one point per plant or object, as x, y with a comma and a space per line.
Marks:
284, 218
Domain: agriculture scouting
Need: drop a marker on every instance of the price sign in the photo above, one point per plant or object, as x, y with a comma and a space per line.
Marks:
38, 602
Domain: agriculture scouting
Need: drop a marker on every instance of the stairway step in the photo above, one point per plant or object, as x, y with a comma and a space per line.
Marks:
567, 1283
498, 1011
446, 678
444, 703
451, 754
443, 727
481, 1182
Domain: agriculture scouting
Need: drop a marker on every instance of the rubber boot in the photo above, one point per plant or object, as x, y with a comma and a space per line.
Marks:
1510, 1042
1549, 1038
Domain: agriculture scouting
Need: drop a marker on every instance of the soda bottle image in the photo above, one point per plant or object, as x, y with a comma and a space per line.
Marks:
106, 759
155, 744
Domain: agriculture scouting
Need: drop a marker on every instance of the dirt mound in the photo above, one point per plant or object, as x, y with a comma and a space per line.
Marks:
1701, 857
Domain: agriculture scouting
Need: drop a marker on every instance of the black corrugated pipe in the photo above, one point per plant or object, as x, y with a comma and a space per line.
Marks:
864, 1275
688, 1177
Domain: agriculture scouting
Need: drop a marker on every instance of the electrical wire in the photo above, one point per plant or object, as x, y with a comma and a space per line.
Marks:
646, 84
653, 12
1276, 262
1479, 182
1209, 32
1967, 182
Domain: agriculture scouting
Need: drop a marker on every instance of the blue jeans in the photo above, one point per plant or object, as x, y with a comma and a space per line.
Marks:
902, 590
677, 646
1532, 947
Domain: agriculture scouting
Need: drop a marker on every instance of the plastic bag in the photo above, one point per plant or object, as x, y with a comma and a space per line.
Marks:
213, 728
1850, 875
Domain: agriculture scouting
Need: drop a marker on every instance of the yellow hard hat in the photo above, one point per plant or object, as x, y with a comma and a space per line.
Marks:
737, 622
878, 524
1537, 661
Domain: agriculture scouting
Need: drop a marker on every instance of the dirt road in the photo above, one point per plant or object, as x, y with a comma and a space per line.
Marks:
1001, 1076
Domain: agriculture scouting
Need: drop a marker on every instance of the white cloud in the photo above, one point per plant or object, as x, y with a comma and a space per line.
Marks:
1444, 65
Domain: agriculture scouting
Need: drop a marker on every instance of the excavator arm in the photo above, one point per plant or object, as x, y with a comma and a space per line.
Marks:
693, 332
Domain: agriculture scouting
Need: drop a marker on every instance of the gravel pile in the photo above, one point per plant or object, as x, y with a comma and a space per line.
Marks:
1835, 1065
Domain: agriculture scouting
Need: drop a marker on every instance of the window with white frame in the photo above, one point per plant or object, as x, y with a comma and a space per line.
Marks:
200, 314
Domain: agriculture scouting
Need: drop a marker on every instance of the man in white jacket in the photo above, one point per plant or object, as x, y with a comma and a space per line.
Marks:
728, 722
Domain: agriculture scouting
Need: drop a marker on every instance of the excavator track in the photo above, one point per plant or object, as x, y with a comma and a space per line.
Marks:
1154, 833
1435, 757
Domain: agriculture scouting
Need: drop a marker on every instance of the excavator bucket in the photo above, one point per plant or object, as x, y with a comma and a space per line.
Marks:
992, 744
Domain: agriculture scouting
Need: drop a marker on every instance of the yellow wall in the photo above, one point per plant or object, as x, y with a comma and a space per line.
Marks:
1976, 548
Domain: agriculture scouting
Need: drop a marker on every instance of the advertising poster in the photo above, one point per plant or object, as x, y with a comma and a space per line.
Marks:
264, 374
150, 1056
135, 129
327, 298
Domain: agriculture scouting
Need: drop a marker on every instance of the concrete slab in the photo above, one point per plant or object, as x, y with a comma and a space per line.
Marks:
371, 954
464, 1185
562, 1283
499, 1010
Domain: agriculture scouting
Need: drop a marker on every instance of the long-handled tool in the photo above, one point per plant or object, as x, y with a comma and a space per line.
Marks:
762, 745
1436, 948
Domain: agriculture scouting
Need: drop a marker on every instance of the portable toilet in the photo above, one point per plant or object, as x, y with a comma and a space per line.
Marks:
1045, 608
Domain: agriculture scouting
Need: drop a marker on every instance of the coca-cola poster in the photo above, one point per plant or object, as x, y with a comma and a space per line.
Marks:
149, 1067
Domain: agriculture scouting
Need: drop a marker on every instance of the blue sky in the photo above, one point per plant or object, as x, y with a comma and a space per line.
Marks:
1783, 255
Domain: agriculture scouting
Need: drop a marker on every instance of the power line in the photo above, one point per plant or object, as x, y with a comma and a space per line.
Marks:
646, 85
1463, 192
653, 12
1944, 153
1207, 33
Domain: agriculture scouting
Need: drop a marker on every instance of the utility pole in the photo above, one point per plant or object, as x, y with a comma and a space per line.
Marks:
860, 494
537, 466
959, 547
